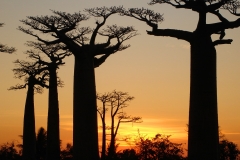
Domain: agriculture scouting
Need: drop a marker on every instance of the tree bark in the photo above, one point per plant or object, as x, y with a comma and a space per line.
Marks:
85, 127
53, 135
111, 149
203, 138
103, 155
29, 135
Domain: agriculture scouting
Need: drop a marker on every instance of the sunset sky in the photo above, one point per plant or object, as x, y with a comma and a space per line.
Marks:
155, 70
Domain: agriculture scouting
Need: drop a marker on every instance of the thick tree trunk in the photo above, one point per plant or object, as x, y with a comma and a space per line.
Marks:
53, 137
203, 138
29, 135
85, 127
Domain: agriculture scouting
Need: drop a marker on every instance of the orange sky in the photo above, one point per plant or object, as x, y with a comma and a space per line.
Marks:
155, 70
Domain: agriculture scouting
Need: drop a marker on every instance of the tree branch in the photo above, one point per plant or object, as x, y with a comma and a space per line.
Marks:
145, 15
179, 34
220, 26
104, 13
6, 49
222, 41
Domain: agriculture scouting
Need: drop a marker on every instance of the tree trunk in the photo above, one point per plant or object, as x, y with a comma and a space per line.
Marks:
53, 137
203, 138
111, 149
103, 155
29, 135
85, 127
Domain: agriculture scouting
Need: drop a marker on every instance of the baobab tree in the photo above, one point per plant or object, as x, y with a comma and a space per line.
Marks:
5, 48
81, 42
34, 79
55, 56
116, 101
203, 117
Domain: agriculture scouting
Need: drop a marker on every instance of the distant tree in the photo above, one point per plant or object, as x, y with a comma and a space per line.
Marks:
9, 152
41, 144
4, 48
35, 79
64, 29
55, 56
67, 153
117, 101
127, 154
158, 148
203, 117
228, 150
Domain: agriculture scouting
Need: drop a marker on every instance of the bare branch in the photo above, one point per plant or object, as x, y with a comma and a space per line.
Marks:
222, 41
220, 26
18, 86
79, 35
101, 60
179, 34
120, 33
221, 18
104, 13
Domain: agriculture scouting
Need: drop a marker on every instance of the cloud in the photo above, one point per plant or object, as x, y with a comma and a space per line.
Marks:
70, 116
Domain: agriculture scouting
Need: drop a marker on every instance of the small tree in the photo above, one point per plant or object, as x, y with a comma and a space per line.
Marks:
67, 153
9, 152
127, 154
159, 148
228, 150
41, 144
117, 101
35, 79
4, 48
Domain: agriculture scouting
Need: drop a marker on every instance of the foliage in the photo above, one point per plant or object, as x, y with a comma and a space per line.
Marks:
4, 48
158, 148
127, 154
41, 143
33, 73
67, 153
228, 150
8, 151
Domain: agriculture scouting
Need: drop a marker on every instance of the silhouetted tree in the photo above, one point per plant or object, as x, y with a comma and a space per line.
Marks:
127, 154
35, 79
41, 144
228, 150
67, 153
117, 101
4, 48
9, 152
56, 56
64, 28
203, 117
158, 148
